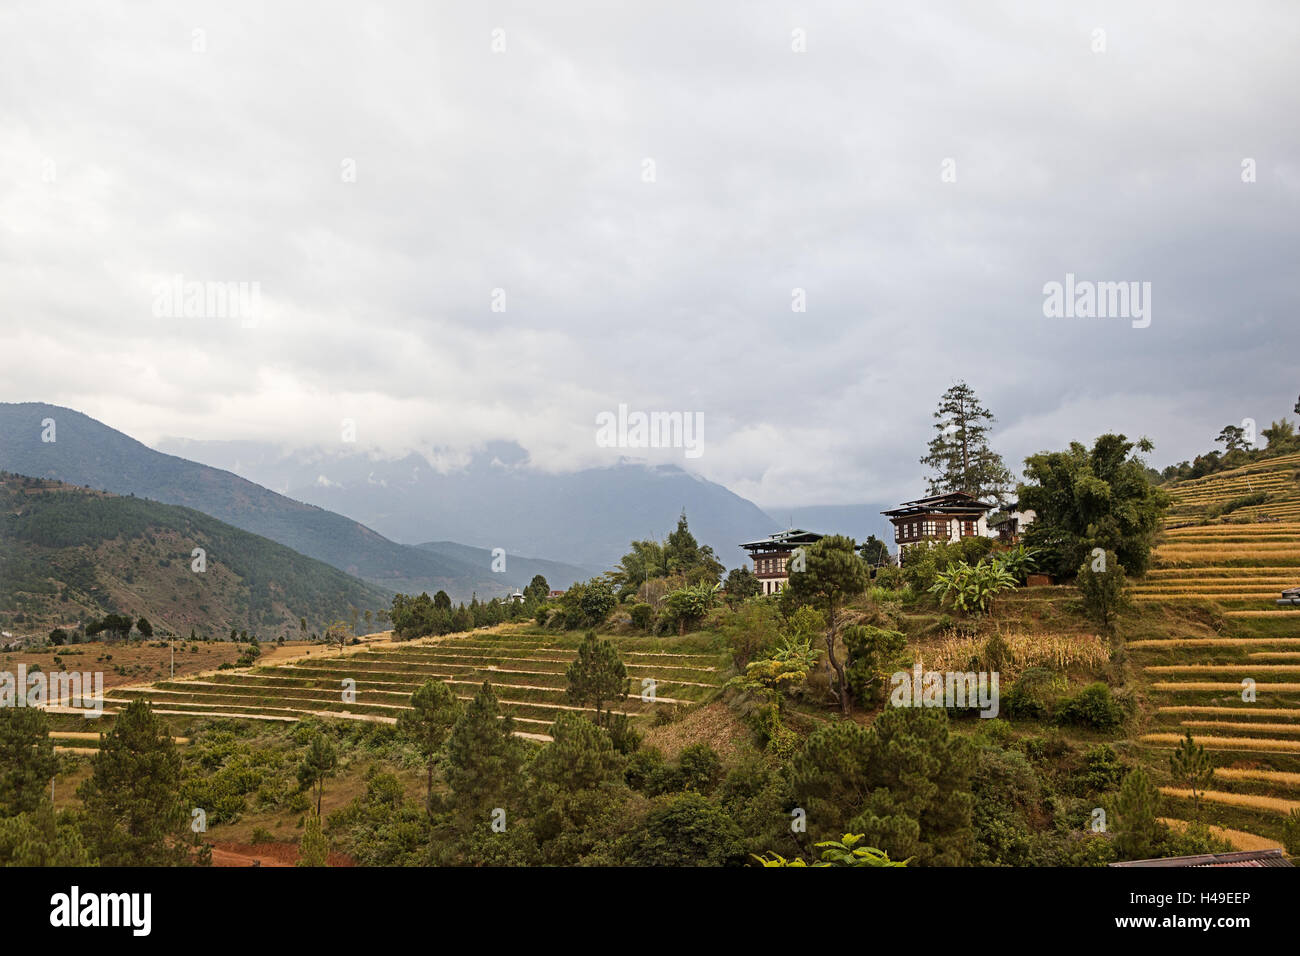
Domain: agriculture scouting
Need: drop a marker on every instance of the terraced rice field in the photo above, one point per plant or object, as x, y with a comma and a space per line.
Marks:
1275, 476
526, 671
1197, 682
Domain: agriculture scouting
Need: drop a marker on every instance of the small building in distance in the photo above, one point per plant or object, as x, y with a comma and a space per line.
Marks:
554, 594
1009, 523
772, 554
939, 518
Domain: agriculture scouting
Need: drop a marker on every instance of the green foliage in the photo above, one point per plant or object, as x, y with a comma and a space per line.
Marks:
686, 830
921, 564
1018, 561
39, 838
1138, 832
699, 768
833, 574
904, 782
598, 675
434, 711
578, 789
872, 654
27, 759
1102, 771
972, 587
1291, 832
1008, 796
841, 852
741, 583
320, 761
686, 607
1102, 582
679, 554
587, 604
788, 666
133, 814
1098, 498
959, 454
642, 616
314, 848
538, 590
1094, 707
1032, 695
1234, 504
1190, 764
52, 533
484, 758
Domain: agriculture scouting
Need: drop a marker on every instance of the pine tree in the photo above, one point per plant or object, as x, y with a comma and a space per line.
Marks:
960, 453
484, 757
134, 816
314, 848
1102, 584
434, 710
319, 762
904, 782
597, 675
1191, 764
1137, 831
27, 760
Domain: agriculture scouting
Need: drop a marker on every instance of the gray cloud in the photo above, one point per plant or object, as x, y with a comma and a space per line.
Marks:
522, 170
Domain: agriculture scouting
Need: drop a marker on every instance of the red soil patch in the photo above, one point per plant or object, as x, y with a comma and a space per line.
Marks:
266, 854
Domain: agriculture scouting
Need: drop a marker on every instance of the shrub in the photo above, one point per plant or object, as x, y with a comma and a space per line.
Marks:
1245, 501
1102, 771
699, 768
972, 586
1291, 833
872, 653
1094, 706
1030, 697
642, 616
1101, 581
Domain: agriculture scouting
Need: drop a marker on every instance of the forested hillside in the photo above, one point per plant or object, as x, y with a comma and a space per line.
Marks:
71, 553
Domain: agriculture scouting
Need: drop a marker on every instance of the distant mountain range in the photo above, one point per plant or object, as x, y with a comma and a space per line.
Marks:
350, 509
499, 500
88, 453
71, 554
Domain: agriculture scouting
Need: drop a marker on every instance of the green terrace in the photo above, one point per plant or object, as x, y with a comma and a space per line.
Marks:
527, 673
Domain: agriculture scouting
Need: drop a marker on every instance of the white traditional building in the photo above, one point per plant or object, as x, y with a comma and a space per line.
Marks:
772, 555
939, 518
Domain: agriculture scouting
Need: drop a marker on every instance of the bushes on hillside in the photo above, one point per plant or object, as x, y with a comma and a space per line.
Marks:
1245, 501
585, 604
1101, 581
1094, 706
921, 565
873, 654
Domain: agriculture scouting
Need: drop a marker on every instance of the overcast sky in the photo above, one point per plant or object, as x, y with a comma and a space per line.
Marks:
215, 141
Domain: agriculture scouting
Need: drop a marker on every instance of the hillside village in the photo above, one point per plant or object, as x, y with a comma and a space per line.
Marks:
1094, 665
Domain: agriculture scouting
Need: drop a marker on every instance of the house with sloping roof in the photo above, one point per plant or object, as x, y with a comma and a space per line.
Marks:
939, 518
772, 556
1237, 858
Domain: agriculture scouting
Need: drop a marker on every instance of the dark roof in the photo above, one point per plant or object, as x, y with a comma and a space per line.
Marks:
1236, 858
785, 539
954, 502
